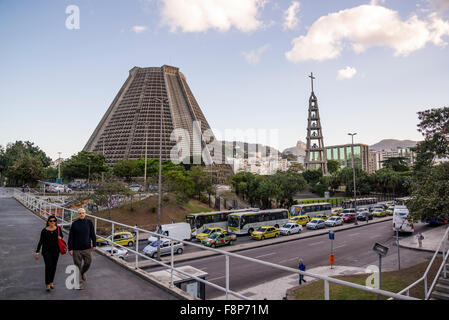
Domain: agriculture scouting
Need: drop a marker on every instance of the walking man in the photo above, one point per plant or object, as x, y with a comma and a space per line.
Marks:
301, 267
82, 240
420, 238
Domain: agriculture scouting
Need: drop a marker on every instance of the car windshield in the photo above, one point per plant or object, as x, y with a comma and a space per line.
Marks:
233, 221
287, 226
207, 230
262, 229
402, 214
214, 236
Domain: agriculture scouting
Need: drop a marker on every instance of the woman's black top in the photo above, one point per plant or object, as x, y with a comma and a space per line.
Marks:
49, 240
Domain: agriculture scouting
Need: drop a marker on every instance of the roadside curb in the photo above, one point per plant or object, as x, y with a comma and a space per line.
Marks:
418, 249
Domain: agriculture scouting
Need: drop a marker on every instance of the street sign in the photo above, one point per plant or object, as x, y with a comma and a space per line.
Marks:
331, 235
332, 259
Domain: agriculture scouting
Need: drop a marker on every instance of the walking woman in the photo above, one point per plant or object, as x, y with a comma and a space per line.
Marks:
50, 249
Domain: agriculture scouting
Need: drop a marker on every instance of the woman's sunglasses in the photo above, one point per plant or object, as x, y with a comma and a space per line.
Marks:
51, 220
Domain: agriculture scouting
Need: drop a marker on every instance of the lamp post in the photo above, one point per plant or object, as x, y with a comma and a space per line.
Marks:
59, 167
146, 146
353, 173
159, 198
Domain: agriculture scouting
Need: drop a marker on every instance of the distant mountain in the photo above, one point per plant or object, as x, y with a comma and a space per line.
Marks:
298, 150
392, 144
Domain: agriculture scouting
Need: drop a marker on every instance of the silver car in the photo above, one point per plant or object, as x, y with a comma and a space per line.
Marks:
290, 228
316, 224
117, 252
334, 221
165, 245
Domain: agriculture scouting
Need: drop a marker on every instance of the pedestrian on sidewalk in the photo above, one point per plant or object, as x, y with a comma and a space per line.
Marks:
50, 250
420, 238
81, 243
302, 267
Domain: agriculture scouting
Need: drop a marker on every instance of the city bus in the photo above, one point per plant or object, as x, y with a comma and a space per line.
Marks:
360, 203
247, 222
200, 221
401, 220
311, 209
401, 201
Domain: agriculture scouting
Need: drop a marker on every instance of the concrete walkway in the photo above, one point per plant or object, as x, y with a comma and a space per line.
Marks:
22, 277
432, 239
276, 289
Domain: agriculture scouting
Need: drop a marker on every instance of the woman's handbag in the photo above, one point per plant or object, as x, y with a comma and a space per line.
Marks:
62, 245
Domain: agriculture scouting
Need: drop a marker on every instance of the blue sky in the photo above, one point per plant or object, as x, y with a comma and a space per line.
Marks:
56, 83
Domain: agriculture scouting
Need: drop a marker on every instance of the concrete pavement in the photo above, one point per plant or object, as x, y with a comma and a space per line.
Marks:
432, 239
22, 277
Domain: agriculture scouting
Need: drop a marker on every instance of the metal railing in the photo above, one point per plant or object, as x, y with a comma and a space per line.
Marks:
442, 268
42, 207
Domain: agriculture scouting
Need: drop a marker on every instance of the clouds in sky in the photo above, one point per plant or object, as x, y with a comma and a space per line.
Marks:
202, 15
346, 73
367, 26
253, 57
139, 29
291, 20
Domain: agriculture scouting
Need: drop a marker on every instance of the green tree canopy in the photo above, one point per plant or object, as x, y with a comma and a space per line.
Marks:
333, 166
84, 165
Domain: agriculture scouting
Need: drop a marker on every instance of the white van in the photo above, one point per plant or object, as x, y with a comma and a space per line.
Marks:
400, 220
179, 231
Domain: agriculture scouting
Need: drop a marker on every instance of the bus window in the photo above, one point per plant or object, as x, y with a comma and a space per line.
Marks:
199, 221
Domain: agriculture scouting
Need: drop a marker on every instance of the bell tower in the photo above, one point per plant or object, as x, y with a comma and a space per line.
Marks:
315, 151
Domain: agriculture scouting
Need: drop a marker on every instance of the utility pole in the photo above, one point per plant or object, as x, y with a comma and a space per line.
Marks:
145, 169
353, 174
59, 167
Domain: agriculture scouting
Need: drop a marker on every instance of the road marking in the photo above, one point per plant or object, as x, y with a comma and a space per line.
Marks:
353, 234
316, 243
343, 245
264, 255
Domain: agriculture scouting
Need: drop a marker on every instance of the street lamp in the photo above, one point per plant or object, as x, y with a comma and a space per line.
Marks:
159, 198
145, 169
59, 167
353, 173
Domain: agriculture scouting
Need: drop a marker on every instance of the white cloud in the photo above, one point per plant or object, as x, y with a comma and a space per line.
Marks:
253, 57
346, 73
291, 20
139, 29
367, 26
202, 15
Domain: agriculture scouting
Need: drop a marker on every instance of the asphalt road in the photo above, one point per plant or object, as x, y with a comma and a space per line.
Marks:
352, 247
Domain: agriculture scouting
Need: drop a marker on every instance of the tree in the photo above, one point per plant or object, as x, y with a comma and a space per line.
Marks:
296, 167
127, 169
398, 164
430, 194
104, 194
312, 176
84, 165
434, 126
23, 162
333, 166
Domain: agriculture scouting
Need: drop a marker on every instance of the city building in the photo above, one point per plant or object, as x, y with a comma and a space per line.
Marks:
150, 105
343, 154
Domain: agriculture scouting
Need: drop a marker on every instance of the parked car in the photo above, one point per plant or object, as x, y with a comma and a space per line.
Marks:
363, 215
207, 232
337, 211
321, 216
390, 210
301, 220
349, 210
377, 207
316, 224
379, 213
117, 252
217, 239
334, 221
265, 232
165, 248
290, 228
124, 238
348, 217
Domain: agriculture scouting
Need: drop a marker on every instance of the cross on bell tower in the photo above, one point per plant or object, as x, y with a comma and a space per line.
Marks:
315, 151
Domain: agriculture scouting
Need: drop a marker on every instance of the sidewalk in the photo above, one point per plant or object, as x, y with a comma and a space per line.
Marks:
22, 277
276, 289
432, 239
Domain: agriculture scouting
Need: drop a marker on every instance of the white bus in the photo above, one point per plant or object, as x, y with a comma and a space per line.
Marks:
401, 220
247, 222
200, 221
311, 210
360, 203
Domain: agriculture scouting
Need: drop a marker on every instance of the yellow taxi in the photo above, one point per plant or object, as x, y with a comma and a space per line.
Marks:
207, 232
336, 212
265, 232
321, 216
122, 238
379, 213
390, 210
301, 220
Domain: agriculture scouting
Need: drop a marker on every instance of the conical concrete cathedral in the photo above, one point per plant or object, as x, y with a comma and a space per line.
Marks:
153, 102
